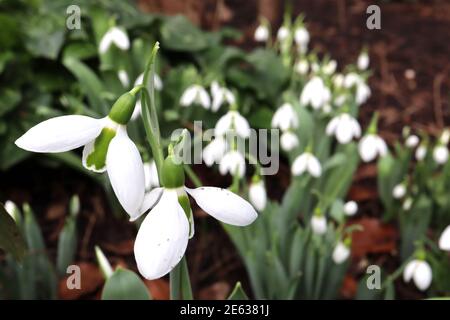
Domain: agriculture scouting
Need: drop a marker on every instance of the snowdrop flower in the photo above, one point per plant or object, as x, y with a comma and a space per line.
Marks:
370, 146
282, 34
214, 151
407, 204
444, 240
288, 140
301, 38
150, 175
163, 235
220, 95
319, 223
363, 61
340, 100
232, 120
315, 93
195, 94
257, 193
350, 208
233, 162
158, 85
115, 36
12, 209
338, 80
421, 152
306, 162
351, 79
362, 93
344, 127
412, 141
302, 67
285, 117
262, 33
420, 272
107, 147
342, 251
123, 77
440, 154
330, 67
399, 191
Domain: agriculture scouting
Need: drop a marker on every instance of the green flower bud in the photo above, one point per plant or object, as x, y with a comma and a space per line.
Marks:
172, 175
123, 108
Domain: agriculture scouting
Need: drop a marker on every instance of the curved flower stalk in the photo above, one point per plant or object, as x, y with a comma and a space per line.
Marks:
107, 147
372, 145
342, 251
195, 94
163, 236
257, 193
306, 162
344, 127
285, 118
444, 240
315, 93
220, 95
116, 36
420, 272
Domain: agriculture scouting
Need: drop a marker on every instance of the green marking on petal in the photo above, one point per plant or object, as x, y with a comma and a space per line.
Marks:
183, 200
97, 158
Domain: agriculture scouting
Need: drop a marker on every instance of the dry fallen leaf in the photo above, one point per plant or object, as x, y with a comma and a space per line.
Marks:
159, 289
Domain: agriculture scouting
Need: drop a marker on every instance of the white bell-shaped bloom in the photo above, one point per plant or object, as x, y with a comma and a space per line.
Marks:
340, 253
123, 78
257, 195
288, 141
338, 80
114, 152
195, 94
363, 61
301, 38
306, 162
315, 93
351, 79
302, 67
344, 127
421, 152
285, 117
282, 34
370, 146
157, 82
319, 224
350, 208
444, 240
232, 120
214, 151
262, 33
440, 154
407, 204
233, 162
330, 67
151, 175
12, 210
362, 93
163, 235
420, 272
220, 95
115, 36
399, 191
412, 141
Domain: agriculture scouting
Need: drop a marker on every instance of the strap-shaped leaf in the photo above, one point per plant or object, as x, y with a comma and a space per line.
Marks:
125, 285
11, 239
238, 293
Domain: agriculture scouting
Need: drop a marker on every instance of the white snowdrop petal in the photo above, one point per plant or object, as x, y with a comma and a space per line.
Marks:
332, 126
299, 165
151, 198
162, 237
120, 38
423, 275
340, 253
382, 147
126, 172
60, 134
123, 77
444, 240
257, 195
440, 154
344, 132
367, 148
241, 125
409, 270
105, 42
204, 98
224, 205
87, 150
319, 224
188, 97
137, 110
314, 167
224, 124
288, 141
233, 162
350, 208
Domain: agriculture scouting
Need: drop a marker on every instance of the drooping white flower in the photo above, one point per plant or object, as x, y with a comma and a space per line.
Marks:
214, 151
363, 61
123, 77
233, 162
350, 208
399, 191
363, 92
302, 66
407, 204
107, 147
344, 127
158, 86
220, 96
341, 253
444, 240
257, 195
150, 175
330, 67
338, 80
421, 152
420, 272
315, 93
285, 117
115, 36
306, 162
195, 94
282, 34
288, 140
412, 141
163, 235
370, 146
262, 33
319, 224
440, 154
301, 38
232, 120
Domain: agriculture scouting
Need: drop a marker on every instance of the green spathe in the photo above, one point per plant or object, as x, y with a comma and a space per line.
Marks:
123, 108
97, 158
172, 175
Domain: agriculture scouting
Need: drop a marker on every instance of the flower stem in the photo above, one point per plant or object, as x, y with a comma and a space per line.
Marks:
193, 176
180, 285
